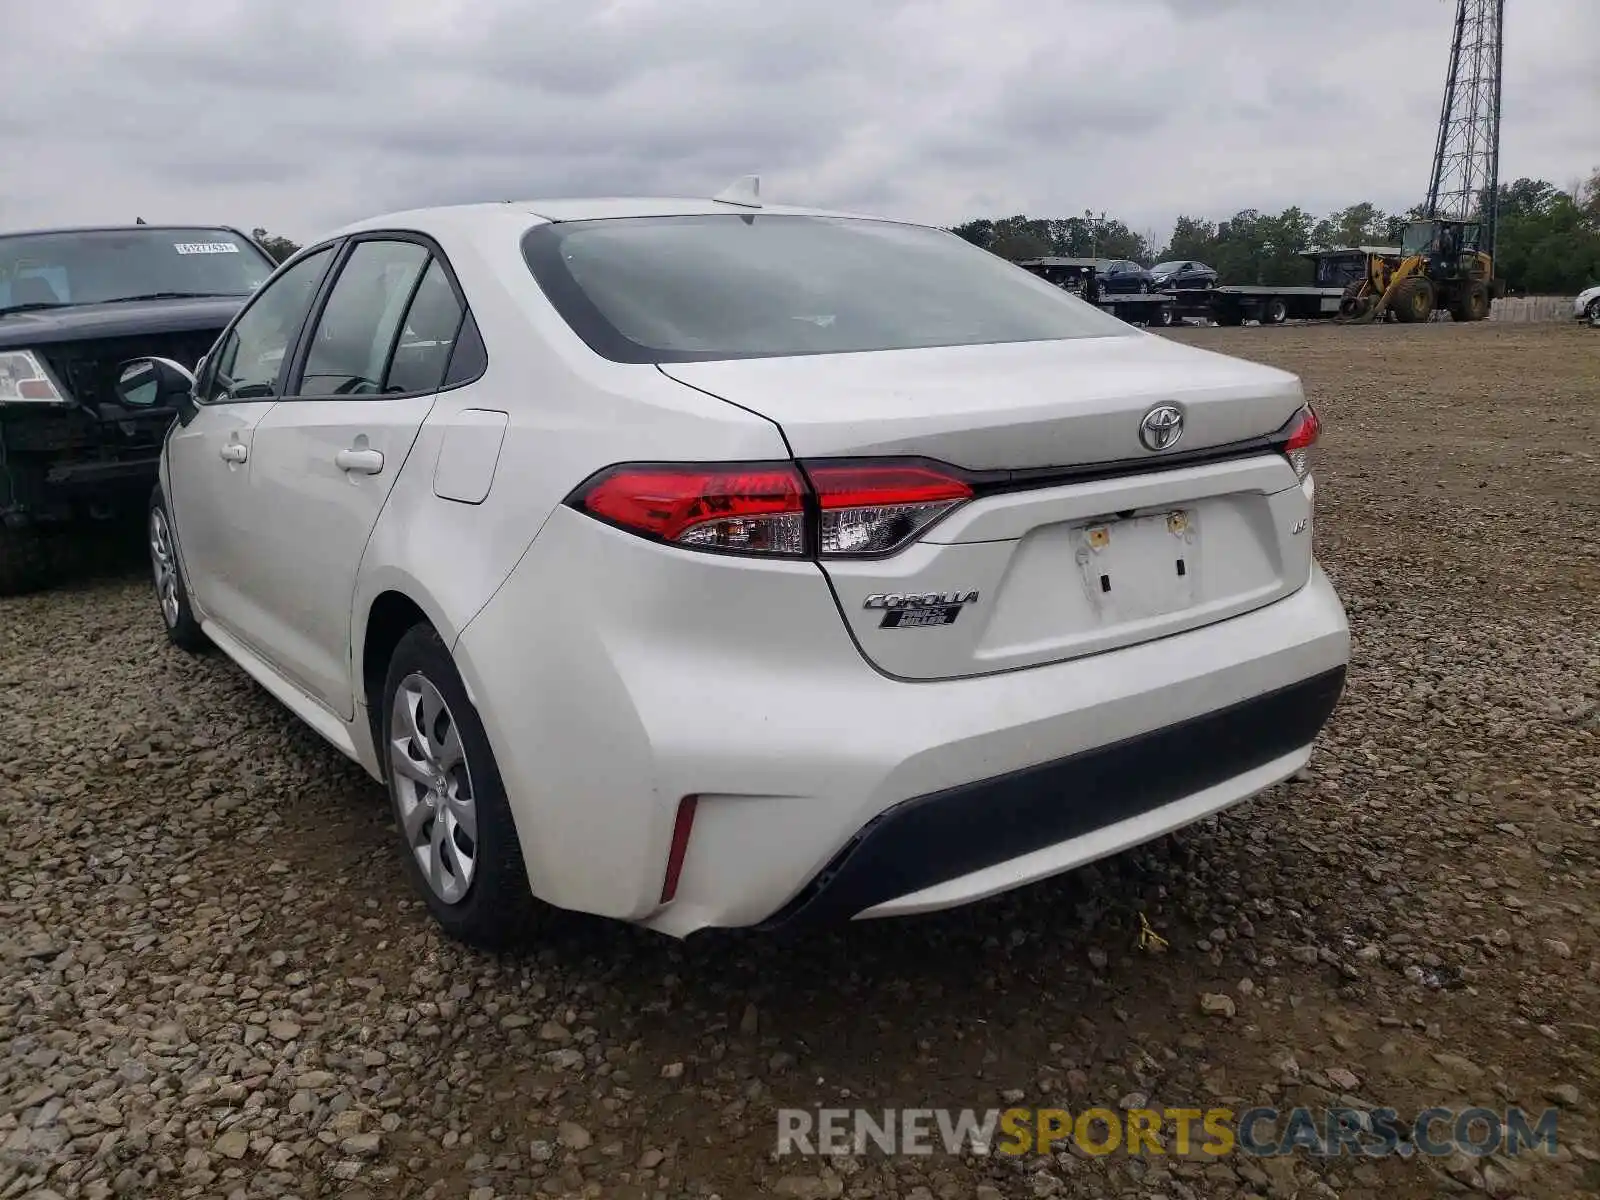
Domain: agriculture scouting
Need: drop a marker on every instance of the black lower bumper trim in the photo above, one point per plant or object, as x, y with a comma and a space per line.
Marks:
931, 839
127, 472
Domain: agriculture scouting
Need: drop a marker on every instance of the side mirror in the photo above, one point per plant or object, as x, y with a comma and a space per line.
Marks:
153, 383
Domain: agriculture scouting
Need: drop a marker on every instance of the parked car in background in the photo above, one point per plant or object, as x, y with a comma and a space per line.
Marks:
1182, 274
1123, 277
1586, 307
706, 563
74, 305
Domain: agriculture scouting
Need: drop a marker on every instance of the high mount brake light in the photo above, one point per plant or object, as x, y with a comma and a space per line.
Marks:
1299, 436
837, 509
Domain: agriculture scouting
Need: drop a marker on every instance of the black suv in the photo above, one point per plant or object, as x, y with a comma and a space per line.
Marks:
75, 304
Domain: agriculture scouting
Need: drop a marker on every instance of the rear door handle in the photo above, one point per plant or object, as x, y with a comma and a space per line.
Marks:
359, 462
235, 452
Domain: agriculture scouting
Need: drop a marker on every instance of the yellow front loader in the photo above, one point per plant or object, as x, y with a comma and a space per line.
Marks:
1439, 267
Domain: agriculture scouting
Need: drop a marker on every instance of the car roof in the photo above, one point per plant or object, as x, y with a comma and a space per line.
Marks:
465, 217
130, 228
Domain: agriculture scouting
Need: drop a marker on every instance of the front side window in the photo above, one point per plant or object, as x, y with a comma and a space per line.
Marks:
105, 266
1418, 237
679, 289
247, 364
350, 345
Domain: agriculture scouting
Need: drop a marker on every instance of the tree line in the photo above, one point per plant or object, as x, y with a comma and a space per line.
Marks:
1548, 240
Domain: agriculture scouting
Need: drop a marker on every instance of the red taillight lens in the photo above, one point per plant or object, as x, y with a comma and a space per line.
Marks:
873, 508
755, 509
1300, 435
860, 509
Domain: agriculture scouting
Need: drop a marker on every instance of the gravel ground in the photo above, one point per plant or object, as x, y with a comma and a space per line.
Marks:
214, 982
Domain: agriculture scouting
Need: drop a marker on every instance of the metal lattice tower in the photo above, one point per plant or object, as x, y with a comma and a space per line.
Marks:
1466, 158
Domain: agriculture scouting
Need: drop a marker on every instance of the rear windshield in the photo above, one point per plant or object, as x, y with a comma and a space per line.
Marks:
684, 289
96, 266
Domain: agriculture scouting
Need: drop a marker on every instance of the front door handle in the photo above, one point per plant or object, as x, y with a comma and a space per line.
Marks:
359, 462
235, 452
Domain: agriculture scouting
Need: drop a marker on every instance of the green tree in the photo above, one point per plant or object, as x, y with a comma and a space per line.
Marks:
1022, 237
979, 232
1359, 225
1589, 199
1249, 247
1548, 241
278, 247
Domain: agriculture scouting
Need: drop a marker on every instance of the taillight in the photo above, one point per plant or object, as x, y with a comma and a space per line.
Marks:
1300, 435
836, 509
873, 508
751, 509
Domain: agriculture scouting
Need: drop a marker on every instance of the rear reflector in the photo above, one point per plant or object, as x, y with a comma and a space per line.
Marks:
682, 827
833, 509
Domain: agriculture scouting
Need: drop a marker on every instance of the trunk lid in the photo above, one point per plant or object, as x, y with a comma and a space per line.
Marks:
1007, 407
1045, 566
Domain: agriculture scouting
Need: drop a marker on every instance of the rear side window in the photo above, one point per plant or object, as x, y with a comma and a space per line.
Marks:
682, 289
350, 345
426, 336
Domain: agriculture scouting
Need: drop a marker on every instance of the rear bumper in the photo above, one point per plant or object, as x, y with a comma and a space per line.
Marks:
957, 844
615, 677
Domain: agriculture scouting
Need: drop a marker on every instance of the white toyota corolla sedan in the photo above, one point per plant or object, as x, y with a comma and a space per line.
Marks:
710, 563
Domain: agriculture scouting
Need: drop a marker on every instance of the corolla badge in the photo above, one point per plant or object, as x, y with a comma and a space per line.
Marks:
919, 610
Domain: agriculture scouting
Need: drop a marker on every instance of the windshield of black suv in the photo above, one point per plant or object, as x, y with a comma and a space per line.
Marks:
39, 270
694, 288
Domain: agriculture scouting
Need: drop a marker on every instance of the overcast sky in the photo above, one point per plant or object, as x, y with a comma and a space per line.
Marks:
302, 116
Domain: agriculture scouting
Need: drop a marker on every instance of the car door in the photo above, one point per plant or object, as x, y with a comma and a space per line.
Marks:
208, 455
326, 457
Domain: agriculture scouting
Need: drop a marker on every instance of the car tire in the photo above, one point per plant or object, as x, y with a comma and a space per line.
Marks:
1163, 317
25, 560
1276, 312
457, 836
1594, 311
172, 594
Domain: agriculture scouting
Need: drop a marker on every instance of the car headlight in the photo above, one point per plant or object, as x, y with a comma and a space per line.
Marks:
24, 380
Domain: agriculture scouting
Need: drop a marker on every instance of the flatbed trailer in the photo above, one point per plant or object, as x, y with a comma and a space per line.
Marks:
1234, 304
1156, 308
1230, 304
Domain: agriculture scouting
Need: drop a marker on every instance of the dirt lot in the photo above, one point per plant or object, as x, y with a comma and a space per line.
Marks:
213, 981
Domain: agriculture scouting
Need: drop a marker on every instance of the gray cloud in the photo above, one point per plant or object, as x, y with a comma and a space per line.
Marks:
301, 117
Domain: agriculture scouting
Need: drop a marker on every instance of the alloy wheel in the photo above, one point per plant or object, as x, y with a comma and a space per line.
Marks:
433, 788
164, 565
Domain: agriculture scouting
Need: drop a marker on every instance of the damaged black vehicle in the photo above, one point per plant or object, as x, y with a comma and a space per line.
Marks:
75, 304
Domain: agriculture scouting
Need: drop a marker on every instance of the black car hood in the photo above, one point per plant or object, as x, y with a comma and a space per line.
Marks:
130, 318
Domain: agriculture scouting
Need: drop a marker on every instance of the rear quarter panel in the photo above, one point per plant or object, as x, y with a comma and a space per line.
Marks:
568, 414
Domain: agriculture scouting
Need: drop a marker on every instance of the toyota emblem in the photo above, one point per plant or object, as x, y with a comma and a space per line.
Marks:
1162, 427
